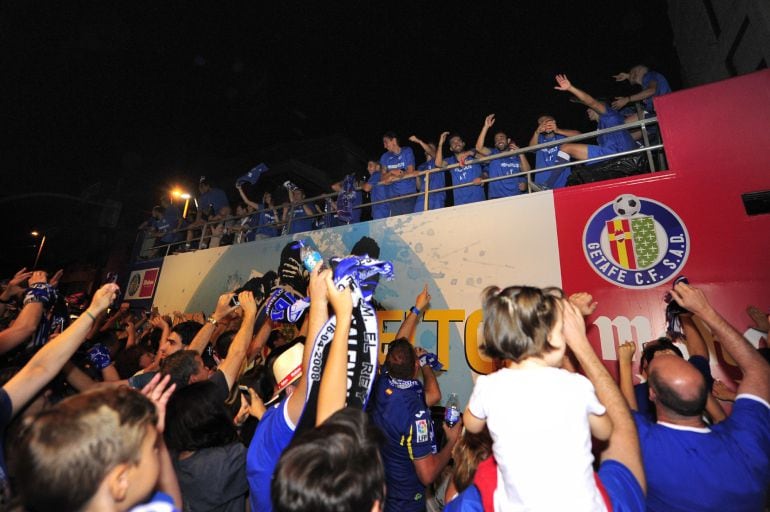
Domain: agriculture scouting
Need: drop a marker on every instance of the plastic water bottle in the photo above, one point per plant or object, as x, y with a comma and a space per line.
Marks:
452, 411
310, 257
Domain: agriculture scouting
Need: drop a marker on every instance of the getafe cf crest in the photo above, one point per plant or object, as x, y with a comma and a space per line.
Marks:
635, 242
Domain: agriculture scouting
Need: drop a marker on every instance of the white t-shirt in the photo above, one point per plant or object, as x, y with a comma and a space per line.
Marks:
538, 419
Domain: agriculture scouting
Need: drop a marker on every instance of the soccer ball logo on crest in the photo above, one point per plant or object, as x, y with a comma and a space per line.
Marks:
635, 242
626, 205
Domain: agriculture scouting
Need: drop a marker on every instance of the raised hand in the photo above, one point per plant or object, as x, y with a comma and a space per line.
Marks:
422, 299
761, 320
317, 287
159, 322
103, 297
442, 137
563, 83
489, 121
621, 77
248, 304
413, 138
620, 102
722, 392
691, 298
18, 278
626, 352
256, 405
584, 302
574, 328
341, 300
223, 307
159, 391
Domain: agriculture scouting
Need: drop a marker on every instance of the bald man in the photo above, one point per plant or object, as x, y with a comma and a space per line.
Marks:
689, 465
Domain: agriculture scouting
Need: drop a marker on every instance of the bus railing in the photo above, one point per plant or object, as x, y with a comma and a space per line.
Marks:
211, 232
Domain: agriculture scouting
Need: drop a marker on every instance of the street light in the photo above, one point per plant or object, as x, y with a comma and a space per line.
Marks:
39, 249
182, 195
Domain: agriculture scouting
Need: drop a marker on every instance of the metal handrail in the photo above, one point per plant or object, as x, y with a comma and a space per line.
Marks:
646, 148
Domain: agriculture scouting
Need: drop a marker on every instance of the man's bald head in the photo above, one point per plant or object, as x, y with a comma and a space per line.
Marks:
678, 386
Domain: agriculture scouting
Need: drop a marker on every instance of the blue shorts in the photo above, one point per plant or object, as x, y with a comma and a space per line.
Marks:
597, 151
622, 487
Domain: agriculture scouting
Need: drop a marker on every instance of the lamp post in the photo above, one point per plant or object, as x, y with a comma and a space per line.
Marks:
182, 195
39, 249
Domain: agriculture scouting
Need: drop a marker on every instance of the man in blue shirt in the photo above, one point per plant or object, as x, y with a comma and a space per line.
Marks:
437, 179
379, 189
653, 85
548, 131
210, 202
692, 466
502, 166
299, 215
606, 117
468, 174
398, 163
409, 453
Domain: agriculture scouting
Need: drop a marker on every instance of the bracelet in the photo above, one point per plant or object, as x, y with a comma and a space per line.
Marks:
90, 315
415, 310
213, 321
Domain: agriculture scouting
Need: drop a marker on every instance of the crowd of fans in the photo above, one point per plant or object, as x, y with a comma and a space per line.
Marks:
395, 180
261, 406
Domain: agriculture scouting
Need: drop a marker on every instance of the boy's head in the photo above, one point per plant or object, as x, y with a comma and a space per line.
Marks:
96, 443
522, 322
334, 467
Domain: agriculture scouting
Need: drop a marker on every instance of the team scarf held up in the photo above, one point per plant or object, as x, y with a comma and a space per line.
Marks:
356, 272
286, 302
346, 198
54, 318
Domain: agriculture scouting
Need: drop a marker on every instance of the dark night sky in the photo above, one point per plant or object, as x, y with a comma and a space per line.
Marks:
134, 96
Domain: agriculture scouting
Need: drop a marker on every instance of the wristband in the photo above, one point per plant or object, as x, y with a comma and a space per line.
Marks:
90, 315
415, 310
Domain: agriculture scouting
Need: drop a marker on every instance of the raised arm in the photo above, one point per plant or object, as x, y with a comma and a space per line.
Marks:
756, 371
317, 317
623, 443
488, 122
236, 354
23, 327
649, 91
332, 393
204, 335
159, 391
246, 199
626, 353
255, 347
424, 145
50, 359
565, 85
440, 149
14, 288
429, 381
413, 317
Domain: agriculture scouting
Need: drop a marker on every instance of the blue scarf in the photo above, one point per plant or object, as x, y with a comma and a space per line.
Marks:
363, 339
